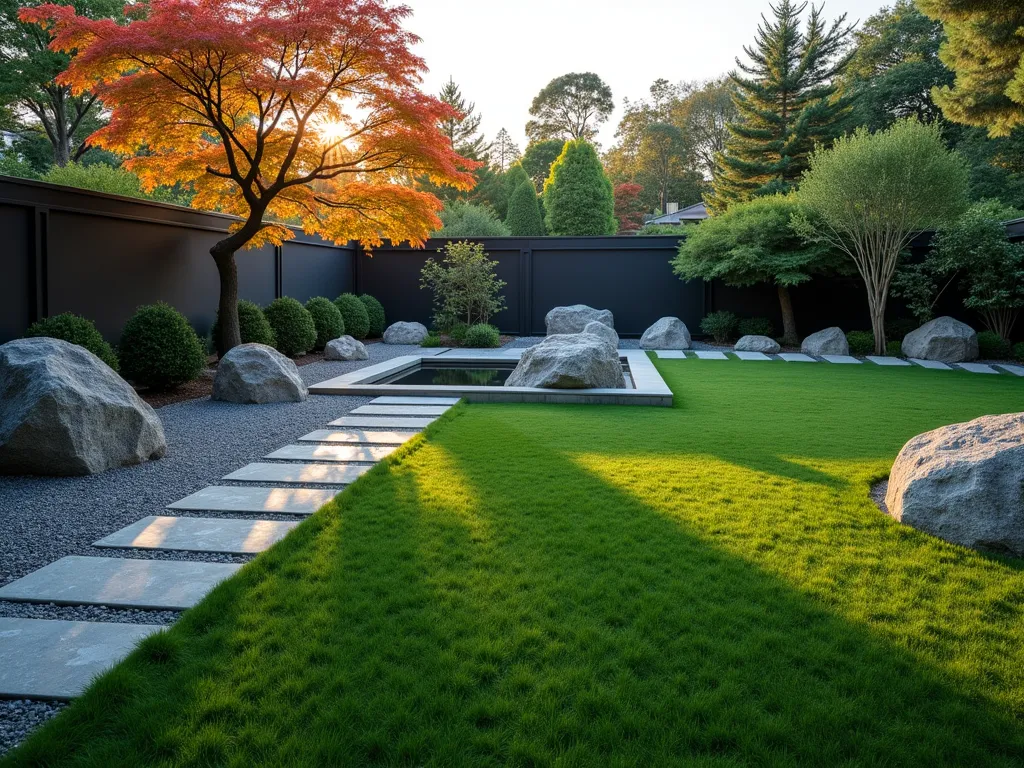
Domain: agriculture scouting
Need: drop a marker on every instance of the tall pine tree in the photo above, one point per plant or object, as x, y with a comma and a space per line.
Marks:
504, 152
788, 100
524, 217
463, 132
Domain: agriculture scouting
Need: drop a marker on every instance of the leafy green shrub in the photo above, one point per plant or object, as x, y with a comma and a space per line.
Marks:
992, 346
861, 342
74, 330
432, 340
894, 348
462, 219
159, 349
100, 177
457, 332
326, 318
252, 324
465, 285
1018, 351
293, 326
353, 311
755, 326
578, 196
482, 335
375, 313
720, 325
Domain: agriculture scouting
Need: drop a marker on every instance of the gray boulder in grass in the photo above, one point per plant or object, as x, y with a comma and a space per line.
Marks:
964, 483
763, 344
569, 361
831, 341
256, 373
405, 333
602, 331
345, 348
667, 333
943, 339
574, 318
63, 411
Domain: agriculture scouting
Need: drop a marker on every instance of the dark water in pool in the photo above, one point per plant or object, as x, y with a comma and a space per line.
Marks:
456, 377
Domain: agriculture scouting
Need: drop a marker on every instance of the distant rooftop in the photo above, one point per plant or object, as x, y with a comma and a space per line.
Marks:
689, 214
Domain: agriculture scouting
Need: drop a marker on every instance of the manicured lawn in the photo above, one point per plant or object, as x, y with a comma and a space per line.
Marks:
604, 586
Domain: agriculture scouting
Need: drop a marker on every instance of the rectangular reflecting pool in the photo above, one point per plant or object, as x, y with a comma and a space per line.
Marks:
431, 373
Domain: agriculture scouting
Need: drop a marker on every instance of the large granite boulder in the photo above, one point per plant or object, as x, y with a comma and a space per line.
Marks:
574, 319
667, 333
602, 331
831, 341
964, 483
405, 333
345, 348
763, 344
569, 361
256, 373
943, 339
63, 411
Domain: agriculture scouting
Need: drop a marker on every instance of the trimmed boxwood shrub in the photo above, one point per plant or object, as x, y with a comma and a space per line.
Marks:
720, 325
293, 326
457, 332
375, 313
252, 325
861, 342
74, 330
327, 319
482, 335
357, 321
992, 346
755, 326
159, 349
432, 340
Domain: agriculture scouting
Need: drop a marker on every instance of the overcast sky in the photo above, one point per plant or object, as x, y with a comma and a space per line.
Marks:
503, 53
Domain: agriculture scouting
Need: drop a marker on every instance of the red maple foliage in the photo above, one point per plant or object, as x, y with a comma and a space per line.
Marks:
303, 111
628, 208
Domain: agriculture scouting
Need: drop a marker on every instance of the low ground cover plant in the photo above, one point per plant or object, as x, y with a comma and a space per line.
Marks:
159, 349
293, 326
75, 329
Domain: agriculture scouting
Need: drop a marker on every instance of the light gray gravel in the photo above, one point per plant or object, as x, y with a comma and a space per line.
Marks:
20, 717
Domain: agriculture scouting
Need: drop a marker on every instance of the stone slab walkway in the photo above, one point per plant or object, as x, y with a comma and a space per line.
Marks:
751, 356
977, 368
231, 498
398, 400
312, 452
400, 410
382, 421
357, 436
797, 357
885, 360
197, 534
298, 474
841, 359
934, 365
706, 355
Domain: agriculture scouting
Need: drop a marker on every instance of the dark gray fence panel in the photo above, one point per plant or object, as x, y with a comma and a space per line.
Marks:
17, 268
314, 269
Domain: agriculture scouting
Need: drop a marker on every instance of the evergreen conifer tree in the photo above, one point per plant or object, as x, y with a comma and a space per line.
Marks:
463, 133
524, 218
578, 196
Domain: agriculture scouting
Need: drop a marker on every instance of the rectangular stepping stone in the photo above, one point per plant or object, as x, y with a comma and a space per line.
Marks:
1016, 370
751, 355
671, 354
797, 357
283, 501
259, 472
935, 365
977, 368
47, 659
346, 453
197, 534
387, 422
400, 410
879, 359
841, 359
412, 400
357, 436
151, 584
708, 355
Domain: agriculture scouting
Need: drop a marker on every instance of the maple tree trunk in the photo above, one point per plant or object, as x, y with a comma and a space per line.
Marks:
229, 333
789, 336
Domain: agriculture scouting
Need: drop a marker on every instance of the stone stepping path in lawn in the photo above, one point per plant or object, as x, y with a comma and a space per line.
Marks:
841, 359
382, 421
934, 365
751, 356
885, 360
707, 355
1016, 370
797, 357
412, 400
48, 659
976, 368
298, 474
344, 453
400, 410
197, 534
233, 498
356, 436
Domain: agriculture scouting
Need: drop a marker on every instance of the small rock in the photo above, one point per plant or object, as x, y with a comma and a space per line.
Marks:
758, 344
964, 483
345, 348
831, 341
569, 361
667, 333
256, 373
943, 339
602, 331
405, 333
574, 318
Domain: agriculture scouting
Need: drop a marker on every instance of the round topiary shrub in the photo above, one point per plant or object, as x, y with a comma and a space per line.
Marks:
159, 349
327, 319
74, 330
357, 321
720, 325
482, 335
861, 342
375, 312
252, 324
755, 326
293, 326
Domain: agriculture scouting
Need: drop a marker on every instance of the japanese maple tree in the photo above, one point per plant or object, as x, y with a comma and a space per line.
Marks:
276, 111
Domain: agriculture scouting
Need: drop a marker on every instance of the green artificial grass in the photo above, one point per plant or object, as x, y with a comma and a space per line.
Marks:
536, 585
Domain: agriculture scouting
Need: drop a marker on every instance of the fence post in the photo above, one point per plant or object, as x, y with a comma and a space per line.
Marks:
278, 271
525, 291
40, 236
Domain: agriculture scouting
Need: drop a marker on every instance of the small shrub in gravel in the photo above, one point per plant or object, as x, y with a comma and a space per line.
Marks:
482, 336
720, 325
432, 340
893, 348
159, 349
74, 330
252, 324
755, 326
457, 332
861, 342
293, 326
357, 321
327, 318
375, 313
992, 346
